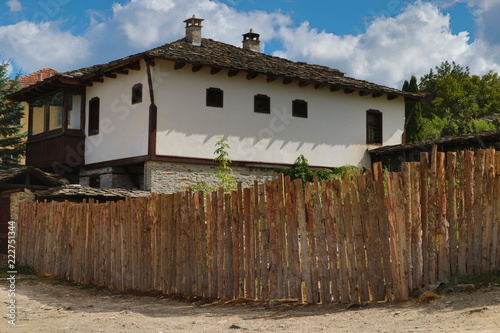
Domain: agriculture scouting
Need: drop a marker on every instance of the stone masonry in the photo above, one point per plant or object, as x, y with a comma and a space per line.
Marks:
167, 177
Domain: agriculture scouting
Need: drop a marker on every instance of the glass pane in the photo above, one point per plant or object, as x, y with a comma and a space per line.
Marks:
55, 111
74, 111
38, 117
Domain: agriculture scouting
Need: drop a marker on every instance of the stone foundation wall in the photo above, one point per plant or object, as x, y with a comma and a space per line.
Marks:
167, 177
113, 177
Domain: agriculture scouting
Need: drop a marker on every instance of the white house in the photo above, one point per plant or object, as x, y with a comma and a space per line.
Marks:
151, 120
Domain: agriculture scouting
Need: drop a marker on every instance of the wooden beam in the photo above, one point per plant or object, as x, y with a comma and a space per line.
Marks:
122, 71
215, 70
110, 75
348, 91
319, 85
271, 78
335, 88
377, 94
136, 66
233, 72
364, 93
287, 81
179, 65
251, 76
391, 97
98, 79
303, 84
196, 68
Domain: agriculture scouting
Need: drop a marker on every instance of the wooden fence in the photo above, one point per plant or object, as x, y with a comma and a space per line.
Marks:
375, 237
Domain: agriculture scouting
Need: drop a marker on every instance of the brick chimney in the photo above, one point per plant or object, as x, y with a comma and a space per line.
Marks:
193, 30
251, 41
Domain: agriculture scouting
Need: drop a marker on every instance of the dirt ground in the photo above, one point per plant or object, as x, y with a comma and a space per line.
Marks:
44, 305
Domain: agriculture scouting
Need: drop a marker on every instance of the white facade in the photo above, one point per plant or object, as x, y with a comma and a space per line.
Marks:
123, 127
333, 134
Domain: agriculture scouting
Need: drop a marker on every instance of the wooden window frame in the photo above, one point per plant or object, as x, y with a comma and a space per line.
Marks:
376, 126
215, 97
94, 115
300, 108
137, 93
262, 104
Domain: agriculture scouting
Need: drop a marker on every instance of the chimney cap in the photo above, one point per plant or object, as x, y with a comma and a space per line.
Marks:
193, 21
251, 35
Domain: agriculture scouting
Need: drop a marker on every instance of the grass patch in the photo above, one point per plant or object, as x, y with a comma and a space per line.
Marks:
21, 270
470, 282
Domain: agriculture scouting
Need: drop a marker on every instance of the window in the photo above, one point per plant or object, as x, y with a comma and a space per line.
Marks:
374, 126
137, 93
262, 104
95, 181
74, 106
299, 108
215, 97
94, 116
58, 111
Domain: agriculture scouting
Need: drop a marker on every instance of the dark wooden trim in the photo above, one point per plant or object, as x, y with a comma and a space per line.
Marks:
319, 85
153, 113
335, 88
391, 97
251, 76
363, 93
348, 91
99, 79
271, 78
196, 68
135, 66
23, 186
287, 81
110, 75
118, 162
215, 70
179, 65
233, 72
122, 71
303, 84
377, 95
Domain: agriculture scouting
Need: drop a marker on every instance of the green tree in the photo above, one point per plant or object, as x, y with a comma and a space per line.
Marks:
413, 114
456, 99
11, 113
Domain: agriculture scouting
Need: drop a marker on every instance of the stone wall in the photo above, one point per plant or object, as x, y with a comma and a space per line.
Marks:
167, 177
18, 198
114, 177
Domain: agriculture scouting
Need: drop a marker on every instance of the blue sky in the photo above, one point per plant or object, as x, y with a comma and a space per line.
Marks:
381, 41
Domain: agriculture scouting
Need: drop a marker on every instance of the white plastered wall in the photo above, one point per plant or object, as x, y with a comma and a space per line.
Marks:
123, 127
334, 134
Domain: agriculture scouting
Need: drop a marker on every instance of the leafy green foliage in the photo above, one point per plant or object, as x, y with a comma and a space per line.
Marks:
413, 114
223, 172
301, 170
454, 101
11, 113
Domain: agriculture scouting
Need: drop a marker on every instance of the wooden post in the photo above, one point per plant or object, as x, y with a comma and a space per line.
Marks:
477, 210
452, 211
443, 224
304, 246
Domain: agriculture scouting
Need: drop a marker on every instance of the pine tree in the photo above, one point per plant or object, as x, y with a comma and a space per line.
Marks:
413, 114
11, 139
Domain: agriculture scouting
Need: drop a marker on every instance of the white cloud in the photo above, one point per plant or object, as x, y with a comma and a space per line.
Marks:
14, 5
388, 51
391, 49
35, 46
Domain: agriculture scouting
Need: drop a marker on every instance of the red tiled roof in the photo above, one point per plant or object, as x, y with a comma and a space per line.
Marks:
35, 77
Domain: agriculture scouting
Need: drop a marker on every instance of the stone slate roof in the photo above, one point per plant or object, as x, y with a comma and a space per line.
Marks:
78, 191
221, 55
10, 174
485, 139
